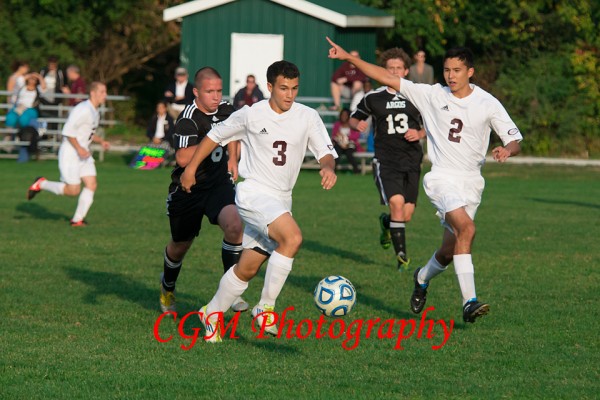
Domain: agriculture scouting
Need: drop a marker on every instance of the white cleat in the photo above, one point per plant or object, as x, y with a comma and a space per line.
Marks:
264, 317
240, 305
211, 326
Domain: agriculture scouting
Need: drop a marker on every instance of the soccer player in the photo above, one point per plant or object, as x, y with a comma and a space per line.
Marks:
275, 134
75, 160
458, 121
398, 153
213, 197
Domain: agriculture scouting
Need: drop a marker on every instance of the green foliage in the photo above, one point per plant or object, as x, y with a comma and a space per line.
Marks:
79, 305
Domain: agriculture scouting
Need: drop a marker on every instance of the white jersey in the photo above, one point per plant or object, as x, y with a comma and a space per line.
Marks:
458, 130
274, 145
81, 124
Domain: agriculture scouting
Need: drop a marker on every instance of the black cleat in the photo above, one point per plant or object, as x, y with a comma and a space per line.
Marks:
419, 295
473, 310
35, 188
385, 237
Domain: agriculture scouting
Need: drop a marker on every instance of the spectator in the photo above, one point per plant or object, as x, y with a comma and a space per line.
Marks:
54, 78
76, 84
420, 71
17, 80
346, 81
179, 93
345, 139
24, 111
160, 125
249, 94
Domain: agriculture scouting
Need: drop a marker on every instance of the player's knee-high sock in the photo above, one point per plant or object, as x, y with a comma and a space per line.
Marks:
57, 188
170, 272
278, 269
86, 198
398, 231
230, 288
463, 265
230, 254
430, 270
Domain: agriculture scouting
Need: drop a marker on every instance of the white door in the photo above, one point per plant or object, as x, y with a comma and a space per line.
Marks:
252, 54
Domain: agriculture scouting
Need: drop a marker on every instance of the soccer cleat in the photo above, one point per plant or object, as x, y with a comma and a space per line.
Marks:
385, 238
266, 311
35, 188
419, 294
403, 262
213, 334
81, 223
240, 305
473, 310
167, 298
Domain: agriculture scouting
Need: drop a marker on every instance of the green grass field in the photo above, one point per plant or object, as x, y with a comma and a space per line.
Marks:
79, 304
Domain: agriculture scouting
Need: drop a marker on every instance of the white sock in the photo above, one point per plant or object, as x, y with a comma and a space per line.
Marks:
57, 188
432, 269
86, 198
278, 269
463, 265
230, 288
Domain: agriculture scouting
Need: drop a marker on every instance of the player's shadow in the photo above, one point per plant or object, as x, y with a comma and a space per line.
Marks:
308, 284
565, 202
319, 247
37, 211
102, 283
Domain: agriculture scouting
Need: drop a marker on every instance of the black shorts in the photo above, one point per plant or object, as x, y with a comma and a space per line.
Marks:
186, 210
391, 181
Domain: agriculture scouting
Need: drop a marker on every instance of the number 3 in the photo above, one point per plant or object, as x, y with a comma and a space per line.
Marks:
281, 147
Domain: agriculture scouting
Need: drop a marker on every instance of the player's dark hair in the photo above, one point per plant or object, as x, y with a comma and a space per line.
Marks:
283, 68
462, 53
394, 53
205, 73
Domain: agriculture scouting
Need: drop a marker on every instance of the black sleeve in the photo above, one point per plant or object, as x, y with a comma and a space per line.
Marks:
151, 129
185, 134
362, 111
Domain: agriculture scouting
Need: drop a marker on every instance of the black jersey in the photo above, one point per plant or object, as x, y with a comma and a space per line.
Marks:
191, 127
392, 115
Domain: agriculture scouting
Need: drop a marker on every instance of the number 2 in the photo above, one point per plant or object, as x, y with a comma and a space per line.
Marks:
453, 135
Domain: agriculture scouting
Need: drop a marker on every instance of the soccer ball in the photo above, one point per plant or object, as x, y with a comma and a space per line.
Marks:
335, 296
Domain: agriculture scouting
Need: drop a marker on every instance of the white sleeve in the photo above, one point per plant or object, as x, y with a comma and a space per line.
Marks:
503, 125
74, 121
233, 128
417, 93
319, 142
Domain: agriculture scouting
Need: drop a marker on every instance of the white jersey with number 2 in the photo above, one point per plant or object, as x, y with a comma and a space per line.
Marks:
274, 145
458, 130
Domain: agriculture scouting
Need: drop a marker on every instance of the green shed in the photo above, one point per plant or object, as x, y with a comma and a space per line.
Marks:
241, 37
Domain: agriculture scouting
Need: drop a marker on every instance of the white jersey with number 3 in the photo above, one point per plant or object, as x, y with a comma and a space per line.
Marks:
458, 130
274, 145
81, 125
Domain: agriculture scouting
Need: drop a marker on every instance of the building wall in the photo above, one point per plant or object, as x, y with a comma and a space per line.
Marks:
206, 38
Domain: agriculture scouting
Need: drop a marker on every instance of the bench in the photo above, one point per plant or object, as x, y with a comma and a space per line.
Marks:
363, 157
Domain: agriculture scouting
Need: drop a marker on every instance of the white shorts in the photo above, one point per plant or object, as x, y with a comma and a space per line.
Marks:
448, 192
72, 168
259, 208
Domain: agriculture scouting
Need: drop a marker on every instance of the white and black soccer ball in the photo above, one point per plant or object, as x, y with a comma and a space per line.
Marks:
335, 296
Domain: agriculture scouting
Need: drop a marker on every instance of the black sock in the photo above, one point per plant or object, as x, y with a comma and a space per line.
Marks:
397, 229
230, 254
170, 272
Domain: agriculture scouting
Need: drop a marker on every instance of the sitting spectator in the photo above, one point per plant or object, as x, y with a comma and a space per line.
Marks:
248, 95
345, 139
25, 108
55, 81
17, 80
420, 71
160, 125
179, 93
76, 84
346, 81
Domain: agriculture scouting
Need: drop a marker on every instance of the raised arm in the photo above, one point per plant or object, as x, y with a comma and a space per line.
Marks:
373, 71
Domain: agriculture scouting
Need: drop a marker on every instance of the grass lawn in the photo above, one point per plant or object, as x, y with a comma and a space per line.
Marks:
80, 304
